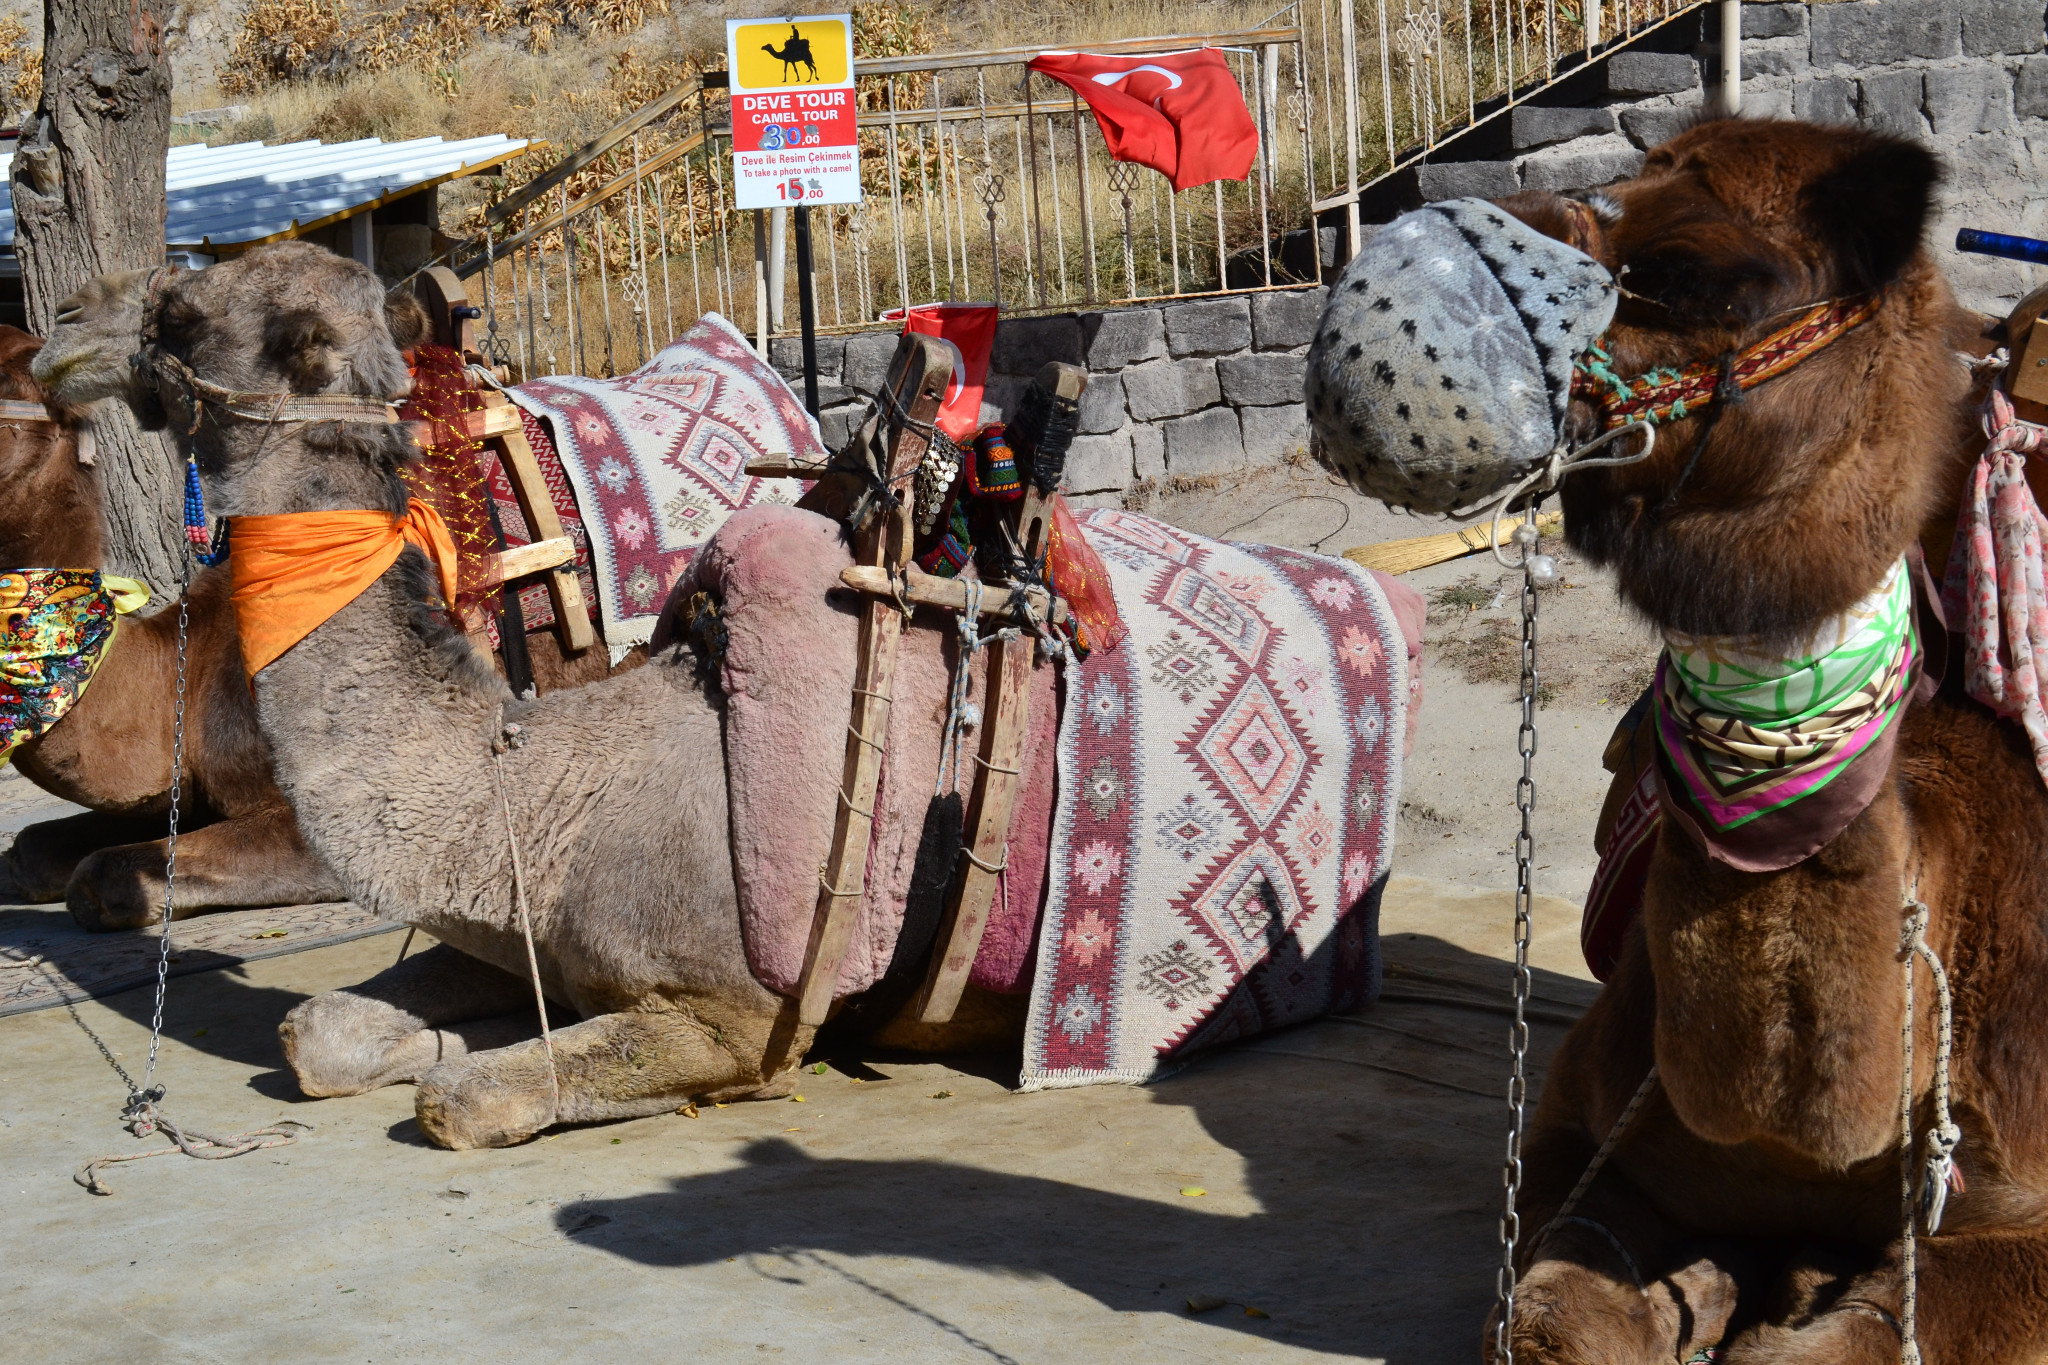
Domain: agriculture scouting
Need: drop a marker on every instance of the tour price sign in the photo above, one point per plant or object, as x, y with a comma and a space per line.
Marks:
792, 111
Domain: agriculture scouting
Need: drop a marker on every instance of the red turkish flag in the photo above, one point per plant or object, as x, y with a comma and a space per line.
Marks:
968, 330
1181, 113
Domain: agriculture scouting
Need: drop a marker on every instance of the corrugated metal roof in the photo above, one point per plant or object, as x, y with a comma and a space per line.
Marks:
248, 192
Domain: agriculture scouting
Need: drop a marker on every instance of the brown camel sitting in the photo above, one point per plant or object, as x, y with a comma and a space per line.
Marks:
239, 845
1754, 1201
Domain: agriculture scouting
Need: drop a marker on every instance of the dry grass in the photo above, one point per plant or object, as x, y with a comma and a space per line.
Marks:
21, 71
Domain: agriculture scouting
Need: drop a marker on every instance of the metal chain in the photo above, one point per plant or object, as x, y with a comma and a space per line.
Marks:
1518, 1039
144, 1092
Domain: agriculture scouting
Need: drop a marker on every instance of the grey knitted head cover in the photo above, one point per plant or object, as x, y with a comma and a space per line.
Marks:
1443, 365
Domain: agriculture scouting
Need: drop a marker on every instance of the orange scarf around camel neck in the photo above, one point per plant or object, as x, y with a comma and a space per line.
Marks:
294, 570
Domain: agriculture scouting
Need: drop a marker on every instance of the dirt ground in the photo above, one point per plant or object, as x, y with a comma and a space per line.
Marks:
1325, 1193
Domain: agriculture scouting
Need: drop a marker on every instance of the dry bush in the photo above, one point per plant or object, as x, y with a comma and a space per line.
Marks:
21, 69
285, 41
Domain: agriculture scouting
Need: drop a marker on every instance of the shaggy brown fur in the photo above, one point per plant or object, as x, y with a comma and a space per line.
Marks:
112, 752
1758, 1189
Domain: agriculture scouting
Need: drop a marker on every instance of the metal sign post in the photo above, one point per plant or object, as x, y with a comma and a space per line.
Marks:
806, 306
793, 138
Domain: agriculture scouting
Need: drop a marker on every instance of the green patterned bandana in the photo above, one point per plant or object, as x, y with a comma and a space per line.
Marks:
1748, 732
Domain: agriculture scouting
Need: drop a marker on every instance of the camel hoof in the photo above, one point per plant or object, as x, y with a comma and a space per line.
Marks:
461, 1106
103, 905
19, 886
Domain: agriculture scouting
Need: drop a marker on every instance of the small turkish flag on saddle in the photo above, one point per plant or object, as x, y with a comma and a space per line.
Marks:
1181, 113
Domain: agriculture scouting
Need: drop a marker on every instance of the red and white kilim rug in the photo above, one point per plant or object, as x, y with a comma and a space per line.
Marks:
1229, 777
658, 460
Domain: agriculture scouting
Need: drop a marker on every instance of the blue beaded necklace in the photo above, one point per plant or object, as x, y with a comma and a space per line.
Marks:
208, 549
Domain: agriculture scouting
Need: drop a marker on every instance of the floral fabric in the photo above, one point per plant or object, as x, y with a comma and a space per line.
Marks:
1993, 589
55, 625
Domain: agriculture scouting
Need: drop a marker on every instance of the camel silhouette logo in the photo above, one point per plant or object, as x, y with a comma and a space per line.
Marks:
794, 52
800, 50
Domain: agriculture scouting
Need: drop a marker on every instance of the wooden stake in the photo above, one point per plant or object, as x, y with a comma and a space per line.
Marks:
1419, 552
998, 769
918, 377
921, 589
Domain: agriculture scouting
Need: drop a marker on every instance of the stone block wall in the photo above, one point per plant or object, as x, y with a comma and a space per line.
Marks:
1967, 77
1181, 390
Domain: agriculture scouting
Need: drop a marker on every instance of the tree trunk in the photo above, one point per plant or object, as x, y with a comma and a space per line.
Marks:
88, 184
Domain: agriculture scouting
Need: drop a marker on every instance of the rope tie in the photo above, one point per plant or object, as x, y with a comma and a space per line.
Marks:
511, 738
1634, 1273
993, 869
142, 1118
961, 714
838, 894
203, 396
1939, 1173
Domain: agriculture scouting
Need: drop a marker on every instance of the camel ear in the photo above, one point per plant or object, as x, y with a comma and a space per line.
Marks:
303, 345
407, 318
1555, 216
1871, 210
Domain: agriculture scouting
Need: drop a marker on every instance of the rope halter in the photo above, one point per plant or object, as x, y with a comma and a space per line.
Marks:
171, 377
178, 387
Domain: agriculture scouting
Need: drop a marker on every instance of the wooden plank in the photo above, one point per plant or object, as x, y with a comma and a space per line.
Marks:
918, 376
588, 152
988, 828
993, 797
949, 594
572, 617
521, 560
491, 421
443, 295
2029, 372
478, 257
781, 466
1419, 552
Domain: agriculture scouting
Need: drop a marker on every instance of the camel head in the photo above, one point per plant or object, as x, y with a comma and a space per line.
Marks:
49, 499
286, 319
1772, 512
98, 326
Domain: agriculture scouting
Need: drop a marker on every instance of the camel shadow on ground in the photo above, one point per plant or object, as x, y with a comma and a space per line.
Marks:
1370, 1149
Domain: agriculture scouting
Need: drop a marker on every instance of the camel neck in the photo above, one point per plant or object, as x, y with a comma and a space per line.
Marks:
1778, 994
379, 699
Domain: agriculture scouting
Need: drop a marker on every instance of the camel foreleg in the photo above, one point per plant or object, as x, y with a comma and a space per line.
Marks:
1982, 1299
403, 1022
37, 867
253, 860
616, 1066
1614, 1282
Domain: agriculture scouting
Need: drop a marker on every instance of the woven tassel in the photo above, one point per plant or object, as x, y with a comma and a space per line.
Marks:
992, 473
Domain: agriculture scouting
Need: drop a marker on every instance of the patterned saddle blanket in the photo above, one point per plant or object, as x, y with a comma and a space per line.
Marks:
1207, 809
642, 469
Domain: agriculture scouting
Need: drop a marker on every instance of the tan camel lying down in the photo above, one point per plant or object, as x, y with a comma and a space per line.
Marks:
383, 722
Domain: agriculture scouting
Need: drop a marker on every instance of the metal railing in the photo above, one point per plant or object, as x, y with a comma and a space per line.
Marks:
983, 182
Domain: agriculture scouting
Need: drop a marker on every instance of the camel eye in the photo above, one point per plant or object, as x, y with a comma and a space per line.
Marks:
66, 316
